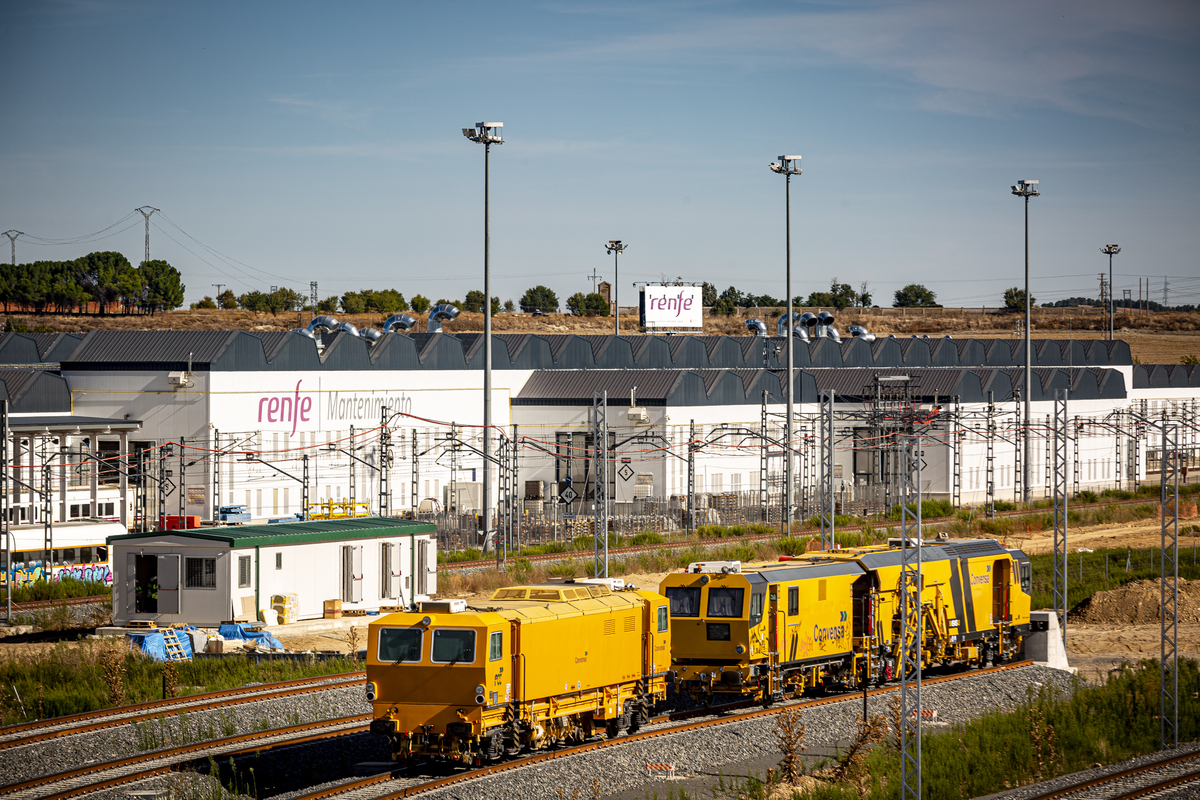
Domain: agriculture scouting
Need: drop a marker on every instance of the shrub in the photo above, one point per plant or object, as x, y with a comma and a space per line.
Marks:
646, 538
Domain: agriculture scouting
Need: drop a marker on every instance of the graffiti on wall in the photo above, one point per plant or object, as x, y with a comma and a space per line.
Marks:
29, 573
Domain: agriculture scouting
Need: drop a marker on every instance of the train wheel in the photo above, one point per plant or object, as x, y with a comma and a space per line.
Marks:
612, 728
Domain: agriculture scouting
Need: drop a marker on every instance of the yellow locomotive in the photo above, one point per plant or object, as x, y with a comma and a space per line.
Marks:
831, 619
532, 666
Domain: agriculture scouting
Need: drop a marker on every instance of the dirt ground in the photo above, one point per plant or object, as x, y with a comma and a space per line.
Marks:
1138, 534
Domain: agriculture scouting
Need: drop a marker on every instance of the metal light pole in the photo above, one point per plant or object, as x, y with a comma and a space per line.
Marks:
487, 134
616, 247
1027, 189
788, 166
1111, 250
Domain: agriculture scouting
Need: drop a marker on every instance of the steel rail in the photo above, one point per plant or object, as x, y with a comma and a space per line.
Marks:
35, 605
174, 752
1169, 783
1066, 791
759, 537
120, 715
520, 763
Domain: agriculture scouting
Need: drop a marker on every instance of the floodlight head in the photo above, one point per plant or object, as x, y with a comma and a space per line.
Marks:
469, 132
1110, 249
775, 167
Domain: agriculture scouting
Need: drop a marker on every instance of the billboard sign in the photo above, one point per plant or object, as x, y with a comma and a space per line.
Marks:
672, 307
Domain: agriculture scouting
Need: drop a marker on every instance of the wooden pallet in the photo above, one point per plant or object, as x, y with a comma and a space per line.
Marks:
143, 624
354, 612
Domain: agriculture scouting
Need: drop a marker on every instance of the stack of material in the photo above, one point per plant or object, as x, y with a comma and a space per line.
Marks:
287, 606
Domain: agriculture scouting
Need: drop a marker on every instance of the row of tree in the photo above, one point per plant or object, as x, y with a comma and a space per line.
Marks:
103, 281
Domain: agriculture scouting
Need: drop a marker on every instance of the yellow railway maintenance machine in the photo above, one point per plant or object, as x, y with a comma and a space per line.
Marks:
831, 620
531, 667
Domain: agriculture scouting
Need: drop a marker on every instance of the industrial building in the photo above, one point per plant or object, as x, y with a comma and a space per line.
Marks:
286, 424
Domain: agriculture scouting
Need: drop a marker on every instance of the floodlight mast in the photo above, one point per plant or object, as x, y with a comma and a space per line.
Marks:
1110, 250
487, 134
616, 247
788, 166
1027, 189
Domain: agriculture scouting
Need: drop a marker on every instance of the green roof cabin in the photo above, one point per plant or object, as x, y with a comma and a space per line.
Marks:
208, 576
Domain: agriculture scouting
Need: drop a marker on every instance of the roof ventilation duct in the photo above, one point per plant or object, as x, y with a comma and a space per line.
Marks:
782, 324
346, 327
322, 325
757, 326
370, 334
439, 314
398, 323
304, 332
859, 332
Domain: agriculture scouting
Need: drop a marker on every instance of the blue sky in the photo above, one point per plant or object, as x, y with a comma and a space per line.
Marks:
289, 142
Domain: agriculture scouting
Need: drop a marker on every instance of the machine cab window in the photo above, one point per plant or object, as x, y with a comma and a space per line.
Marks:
453, 646
400, 644
662, 619
496, 650
726, 601
685, 601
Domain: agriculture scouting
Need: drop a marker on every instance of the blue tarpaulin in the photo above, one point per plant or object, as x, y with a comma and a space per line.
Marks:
241, 631
151, 643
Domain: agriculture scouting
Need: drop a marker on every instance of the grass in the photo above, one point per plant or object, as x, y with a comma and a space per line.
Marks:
1102, 570
1047, 735
40, 591
70, 678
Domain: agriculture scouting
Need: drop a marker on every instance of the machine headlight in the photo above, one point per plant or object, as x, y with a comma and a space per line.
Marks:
479, 689
372, 691
739, 649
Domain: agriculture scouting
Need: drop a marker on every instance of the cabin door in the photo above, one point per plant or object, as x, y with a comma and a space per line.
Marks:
1001, 578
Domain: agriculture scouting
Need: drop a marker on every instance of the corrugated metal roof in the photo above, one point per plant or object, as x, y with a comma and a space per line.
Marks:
152, 347
66, 422
295, 532
35, 391
654, 386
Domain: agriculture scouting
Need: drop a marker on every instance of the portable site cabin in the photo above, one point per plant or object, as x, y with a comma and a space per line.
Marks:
212, 575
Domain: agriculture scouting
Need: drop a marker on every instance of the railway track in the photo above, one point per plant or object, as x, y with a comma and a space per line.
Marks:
40, 731
1143, 780
397, 785
751, 537
110, 774
38, 605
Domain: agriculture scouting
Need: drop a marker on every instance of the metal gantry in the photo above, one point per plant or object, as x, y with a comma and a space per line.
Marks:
600, 482
764, 466
1076, 467
385, 464
956, 433
1059, 474
990, 459
692, 447
828, 498
1019, 442
910, 620
1169, 587
5, 514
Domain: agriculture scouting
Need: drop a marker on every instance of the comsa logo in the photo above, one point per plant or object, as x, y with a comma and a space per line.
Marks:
822, 635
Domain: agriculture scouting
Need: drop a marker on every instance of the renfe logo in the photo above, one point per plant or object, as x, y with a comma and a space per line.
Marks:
678, 304
293, 409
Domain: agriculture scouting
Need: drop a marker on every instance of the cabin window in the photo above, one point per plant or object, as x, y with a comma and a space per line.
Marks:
400, 644
279, 561
685, 601
793, 600
757, 601
725, 601
496, 649
243, 572
662, 619
199, 573
453, 647
717, 631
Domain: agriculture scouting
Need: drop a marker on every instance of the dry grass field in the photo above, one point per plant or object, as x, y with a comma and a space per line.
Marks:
1154, 338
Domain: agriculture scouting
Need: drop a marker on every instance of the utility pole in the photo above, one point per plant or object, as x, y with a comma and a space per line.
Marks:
616, 247
1165, 299
218, 288
788, 166
12, 235
146, 211
1110, 250
1026, 189
312, 296
594, 277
